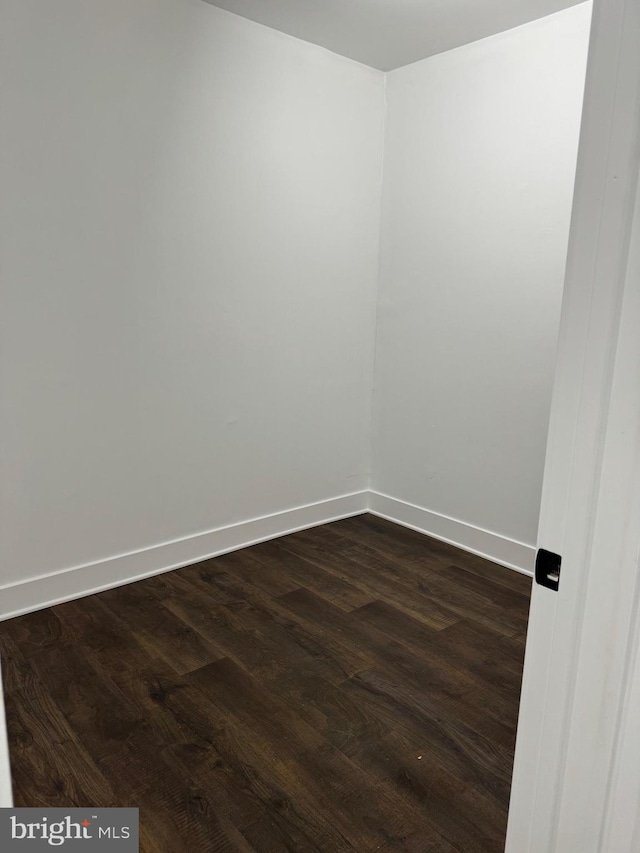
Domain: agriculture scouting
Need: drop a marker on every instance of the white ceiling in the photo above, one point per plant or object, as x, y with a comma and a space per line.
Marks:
389, 33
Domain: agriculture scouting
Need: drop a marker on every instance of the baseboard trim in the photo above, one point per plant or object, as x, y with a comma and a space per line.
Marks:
79, 581
499, 549
46, 590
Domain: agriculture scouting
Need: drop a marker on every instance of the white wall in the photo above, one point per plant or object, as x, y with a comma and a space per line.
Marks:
189, 239
189, 244
479, 165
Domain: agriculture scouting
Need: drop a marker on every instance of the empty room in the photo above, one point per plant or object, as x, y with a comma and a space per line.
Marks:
282, 288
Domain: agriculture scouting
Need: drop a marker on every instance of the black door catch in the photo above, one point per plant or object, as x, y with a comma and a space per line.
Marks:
548, 569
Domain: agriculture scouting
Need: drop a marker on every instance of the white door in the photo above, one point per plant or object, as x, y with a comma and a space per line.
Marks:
576, 784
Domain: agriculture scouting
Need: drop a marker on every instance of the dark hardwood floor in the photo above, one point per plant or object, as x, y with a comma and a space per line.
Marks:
353, 687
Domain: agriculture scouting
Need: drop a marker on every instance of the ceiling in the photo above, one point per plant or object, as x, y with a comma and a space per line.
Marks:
387, 34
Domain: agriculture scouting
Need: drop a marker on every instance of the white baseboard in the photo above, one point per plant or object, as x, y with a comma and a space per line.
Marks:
499, 549
46, 590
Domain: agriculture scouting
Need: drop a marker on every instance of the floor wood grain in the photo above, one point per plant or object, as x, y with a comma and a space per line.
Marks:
353, 687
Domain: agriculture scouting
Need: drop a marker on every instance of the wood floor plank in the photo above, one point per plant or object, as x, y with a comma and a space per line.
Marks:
397, 676
262, 635
257, 568
109, 644
402, 542
345, 689
477, 674
516, 602
497, 607
238, 770
391, 539
445, 686
159, 629
375, 581
475, 821
395, 755
320, 778
491, 661
494, 604
35, 632
44, 745
304, 566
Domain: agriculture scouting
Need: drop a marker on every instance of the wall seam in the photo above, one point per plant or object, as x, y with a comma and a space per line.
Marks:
376, 308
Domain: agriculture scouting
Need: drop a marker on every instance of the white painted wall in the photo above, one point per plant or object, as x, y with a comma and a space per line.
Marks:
480, 157
189, 243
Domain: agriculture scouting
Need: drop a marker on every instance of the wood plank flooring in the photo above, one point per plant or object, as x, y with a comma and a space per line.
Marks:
353, 687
